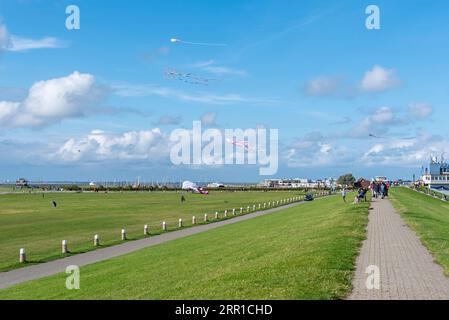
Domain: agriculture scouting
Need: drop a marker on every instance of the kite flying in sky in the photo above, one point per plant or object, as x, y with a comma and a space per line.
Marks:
378, 137
192, 187
188, 77
174, 40
241, 144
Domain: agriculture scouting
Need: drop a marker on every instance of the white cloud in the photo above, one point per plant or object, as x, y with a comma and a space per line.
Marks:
379, 79
209, 119
225, 71
148, 145
169, 120
381, 120
420, 110
376, 80
200, 97
316, 150
51, 101
203, 64
211, 67
25, 44
383, 115
406, 152
376, 149
377, 123
323, 86
13, 43
4, 38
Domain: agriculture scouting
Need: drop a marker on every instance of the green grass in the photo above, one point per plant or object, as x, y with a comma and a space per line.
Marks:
11, 188
429, 218
305, 252
29, 221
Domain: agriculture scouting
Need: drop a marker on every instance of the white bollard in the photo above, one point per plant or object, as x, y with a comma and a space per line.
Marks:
247, 209
241, 210
264, 205
123, 234
233, 212
205, 217
254, 207
180, 223
259, 206
226, 213
22, 255
193, 220
216, 215
164, 226
64, 246
145, 230
96, 240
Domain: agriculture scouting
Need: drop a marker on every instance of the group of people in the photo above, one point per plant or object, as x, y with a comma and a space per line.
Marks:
379, 189
361, 195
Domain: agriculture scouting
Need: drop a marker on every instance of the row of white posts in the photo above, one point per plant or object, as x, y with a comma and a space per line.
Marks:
146, 229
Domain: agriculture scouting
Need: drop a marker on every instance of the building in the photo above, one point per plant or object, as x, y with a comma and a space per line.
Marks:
215, 185
21, 183
437, 175
295, 183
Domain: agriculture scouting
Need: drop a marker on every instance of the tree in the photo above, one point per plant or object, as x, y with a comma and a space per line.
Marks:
346, 179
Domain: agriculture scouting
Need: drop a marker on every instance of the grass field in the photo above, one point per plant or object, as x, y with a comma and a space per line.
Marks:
429, 218
10, 188
29, 220
305, 252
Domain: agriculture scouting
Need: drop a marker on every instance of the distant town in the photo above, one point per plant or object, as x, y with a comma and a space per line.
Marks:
435, 176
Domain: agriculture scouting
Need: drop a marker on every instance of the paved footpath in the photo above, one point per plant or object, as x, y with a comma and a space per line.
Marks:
38, 271
407, 269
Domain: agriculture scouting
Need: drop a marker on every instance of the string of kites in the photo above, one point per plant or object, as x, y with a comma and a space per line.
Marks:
188, 77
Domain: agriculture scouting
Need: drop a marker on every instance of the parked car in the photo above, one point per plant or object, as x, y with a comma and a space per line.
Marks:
308, 197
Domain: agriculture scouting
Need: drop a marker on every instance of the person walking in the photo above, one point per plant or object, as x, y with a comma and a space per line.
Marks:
382, 190
377, 189
371, 186
343, 194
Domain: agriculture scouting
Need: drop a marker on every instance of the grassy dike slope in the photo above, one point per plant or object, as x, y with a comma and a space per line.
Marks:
29, 221
429, 218
306, 252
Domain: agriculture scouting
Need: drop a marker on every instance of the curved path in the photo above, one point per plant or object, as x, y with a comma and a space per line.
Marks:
38, 271
407, 270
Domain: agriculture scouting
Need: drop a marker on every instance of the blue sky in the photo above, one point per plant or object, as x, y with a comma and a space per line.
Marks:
310, 69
